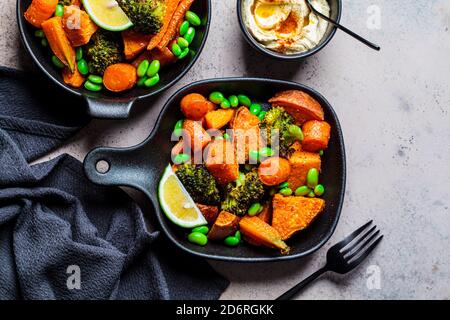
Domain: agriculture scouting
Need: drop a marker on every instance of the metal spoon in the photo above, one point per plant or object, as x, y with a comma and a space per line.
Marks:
349, 32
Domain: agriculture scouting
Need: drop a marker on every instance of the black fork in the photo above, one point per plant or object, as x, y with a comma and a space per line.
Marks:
343, 256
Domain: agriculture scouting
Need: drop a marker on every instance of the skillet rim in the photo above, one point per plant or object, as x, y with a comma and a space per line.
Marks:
155, 201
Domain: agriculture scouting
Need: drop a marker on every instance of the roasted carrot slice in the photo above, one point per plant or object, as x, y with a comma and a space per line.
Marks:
175, 22
39, 11
59, 43
119, 77
171, 6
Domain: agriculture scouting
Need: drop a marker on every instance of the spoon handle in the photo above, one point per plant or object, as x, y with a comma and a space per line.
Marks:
346, 30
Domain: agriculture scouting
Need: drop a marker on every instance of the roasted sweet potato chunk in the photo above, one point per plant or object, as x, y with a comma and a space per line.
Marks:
221, 162
219, 118
301, 162
246, 133
317, 135
292, 214
78, 25
262, 233
266, 213
299, 105
274, 171
225, 225
39, 11
195, 135
195, 106
209, 212
134, 43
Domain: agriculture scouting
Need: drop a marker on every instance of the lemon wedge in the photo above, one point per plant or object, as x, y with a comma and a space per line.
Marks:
176, 202
107, 14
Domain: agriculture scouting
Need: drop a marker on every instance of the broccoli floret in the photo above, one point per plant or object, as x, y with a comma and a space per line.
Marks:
278, 119
240, 195
199, 183
103, 50
146, 15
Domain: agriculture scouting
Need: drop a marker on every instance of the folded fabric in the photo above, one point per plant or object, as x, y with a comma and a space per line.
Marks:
61, 237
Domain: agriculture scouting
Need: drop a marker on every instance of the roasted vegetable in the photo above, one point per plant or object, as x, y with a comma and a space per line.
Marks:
134, 43
199, 183
195, 135
259, 232
78, 25
147, 15
246, 133
195, 106
59, 43
171, 6
225, 225
219, 118
39, 11
299, 105
119, 77
275, 131
317, 135
164, 56
103, 50
73, 79
209, 212
242, 193
292, 214
301, 162
266, 213
221, 161
175, 22
274, 170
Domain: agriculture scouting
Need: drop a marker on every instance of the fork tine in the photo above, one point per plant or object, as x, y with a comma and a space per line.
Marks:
362, 246
365, 253
352, 236
352, 246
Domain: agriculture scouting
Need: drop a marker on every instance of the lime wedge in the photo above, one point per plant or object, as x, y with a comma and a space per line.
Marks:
176, 202
107, 14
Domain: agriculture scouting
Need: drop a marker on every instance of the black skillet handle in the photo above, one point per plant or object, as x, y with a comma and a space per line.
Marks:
124, 167
109, 108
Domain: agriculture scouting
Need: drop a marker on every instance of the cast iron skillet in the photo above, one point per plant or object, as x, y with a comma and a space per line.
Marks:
108, 105
335, 14
141, 167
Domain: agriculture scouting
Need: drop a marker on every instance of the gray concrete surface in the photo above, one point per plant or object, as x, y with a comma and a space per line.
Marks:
393, 107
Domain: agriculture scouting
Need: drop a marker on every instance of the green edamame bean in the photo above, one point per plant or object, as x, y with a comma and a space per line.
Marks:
193, 18
226, 136
79, 53
83, 67
176, 50
261, 115
234, 101
238, 235
319, 190
152, 81
153, 68
184, 53
182, 42
254, 209
39, 34
198, 238
255, 108
254, 156
189, 35
92, 86
296, 132
311, 194
59, 11
218, 138
231, 241
201, 229
57, 62
283, 185
179, 124
286, 192
44, 42
312, 179
141, 81
265, 152
184, 27
142, 68
216, 97
225, 104
321, 153
244, 100
302, 191
181, 158
95, 79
